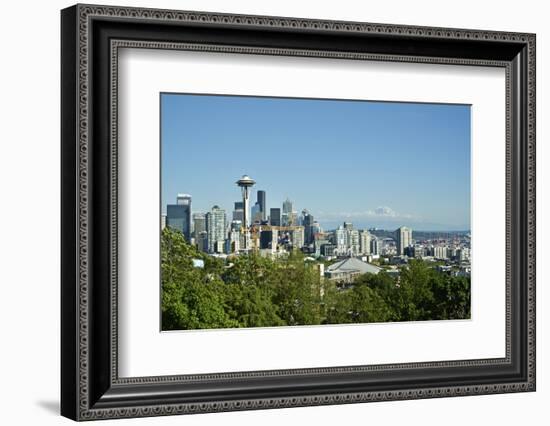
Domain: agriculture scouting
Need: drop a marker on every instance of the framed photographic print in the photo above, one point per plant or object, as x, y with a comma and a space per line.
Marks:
263, 212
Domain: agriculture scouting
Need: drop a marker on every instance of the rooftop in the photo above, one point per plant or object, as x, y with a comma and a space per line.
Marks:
352, 264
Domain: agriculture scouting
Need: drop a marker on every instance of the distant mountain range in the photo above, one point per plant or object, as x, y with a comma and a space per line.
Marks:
419, 235
390, 226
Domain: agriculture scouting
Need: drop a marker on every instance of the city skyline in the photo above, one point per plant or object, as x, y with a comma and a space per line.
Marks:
417, 173
285, 232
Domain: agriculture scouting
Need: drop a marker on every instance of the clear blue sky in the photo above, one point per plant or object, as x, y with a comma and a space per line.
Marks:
379, 164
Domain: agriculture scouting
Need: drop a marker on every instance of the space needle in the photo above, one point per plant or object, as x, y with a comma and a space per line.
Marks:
245, 183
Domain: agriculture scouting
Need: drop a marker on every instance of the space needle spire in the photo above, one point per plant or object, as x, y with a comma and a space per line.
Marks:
245, 183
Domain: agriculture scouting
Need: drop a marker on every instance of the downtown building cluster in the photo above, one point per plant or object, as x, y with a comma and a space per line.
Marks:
451, 251
273, 231
269, 231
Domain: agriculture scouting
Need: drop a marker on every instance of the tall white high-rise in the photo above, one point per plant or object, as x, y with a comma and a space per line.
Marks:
364, 242
403, 239
374, 245
353, 241
340, 240
440, 252
216, 228
348, 240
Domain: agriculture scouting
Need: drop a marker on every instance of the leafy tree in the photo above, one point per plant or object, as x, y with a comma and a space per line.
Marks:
297, 291
415, 294
452, 298
388, 289
191, 298
337, 305
368, 305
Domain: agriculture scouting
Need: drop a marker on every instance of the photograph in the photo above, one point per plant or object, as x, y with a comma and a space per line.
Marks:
265, 209
281, 211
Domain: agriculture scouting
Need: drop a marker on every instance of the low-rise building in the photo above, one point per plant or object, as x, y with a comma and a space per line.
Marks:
348, 269
328, 250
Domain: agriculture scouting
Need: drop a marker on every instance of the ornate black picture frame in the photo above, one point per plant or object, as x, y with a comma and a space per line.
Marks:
91, 36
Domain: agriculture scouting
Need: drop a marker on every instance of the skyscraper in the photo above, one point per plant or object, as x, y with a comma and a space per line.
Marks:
340, 240
364, 242
287, 206
275, 217
374, 245
238, 212
297, 237
256, 213
308, 224
178, 216
201, 240
235, 237
440, 252
287, 218
354, 245
403, 239
215, 223
348, 240
261, 201
199, 224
